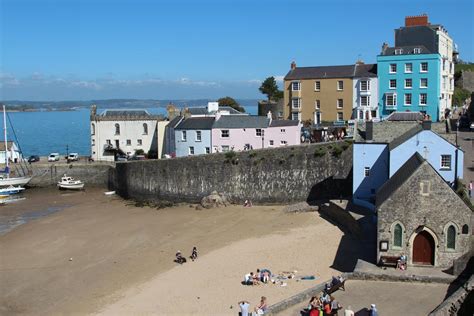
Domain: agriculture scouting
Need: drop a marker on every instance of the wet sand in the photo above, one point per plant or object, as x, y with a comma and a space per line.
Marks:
101, 254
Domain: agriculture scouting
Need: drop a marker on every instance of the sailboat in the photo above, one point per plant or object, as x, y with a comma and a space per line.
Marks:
5, 179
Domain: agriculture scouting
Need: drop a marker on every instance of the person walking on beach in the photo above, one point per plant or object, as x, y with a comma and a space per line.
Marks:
244, 308
373, 310
194, 254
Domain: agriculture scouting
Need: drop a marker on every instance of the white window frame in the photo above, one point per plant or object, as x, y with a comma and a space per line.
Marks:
405, 99
340, 103
198, 136
208, 150
417, 50
184, 136
340, 85
191, 151
398, 51
406, 68
342, 116
139, 142
394, 103
443, 163
128, 142
421, 83
367, 85
367, 100
366, 172
297, 105
270, 142
317, 104
390, 84
320, 117
298, 116
426, 99
390, 71
421, 67
225, 133
225, 148
411, 83
317, 85
297, 85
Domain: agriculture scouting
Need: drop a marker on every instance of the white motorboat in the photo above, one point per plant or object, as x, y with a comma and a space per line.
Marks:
69, 183
11, 190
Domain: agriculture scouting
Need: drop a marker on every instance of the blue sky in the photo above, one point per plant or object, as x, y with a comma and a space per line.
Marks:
184, 49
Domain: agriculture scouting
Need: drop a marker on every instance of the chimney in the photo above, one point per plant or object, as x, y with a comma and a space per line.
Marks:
212, 107
269, 117
186, 113
417, 20
426, 125
218, 115
293, 65
93, 112
369, 130
172, 111
384, 47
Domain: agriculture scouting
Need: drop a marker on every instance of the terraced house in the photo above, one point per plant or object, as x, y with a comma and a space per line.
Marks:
330, 93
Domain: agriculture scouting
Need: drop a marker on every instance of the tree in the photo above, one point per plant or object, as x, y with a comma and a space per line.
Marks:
228, 101
269, 87
460, 95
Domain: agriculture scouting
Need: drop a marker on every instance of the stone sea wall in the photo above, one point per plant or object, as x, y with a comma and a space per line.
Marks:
279, 175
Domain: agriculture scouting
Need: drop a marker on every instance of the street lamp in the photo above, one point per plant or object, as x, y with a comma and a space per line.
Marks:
263, 138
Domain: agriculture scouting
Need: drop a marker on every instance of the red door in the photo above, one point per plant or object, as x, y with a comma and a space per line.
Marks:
423, 249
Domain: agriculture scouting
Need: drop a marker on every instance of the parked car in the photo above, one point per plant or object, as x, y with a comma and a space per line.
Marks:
121, 158
53, 157
33, 158
73, 157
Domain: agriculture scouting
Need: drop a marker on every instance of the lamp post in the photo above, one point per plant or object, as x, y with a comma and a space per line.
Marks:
263, 138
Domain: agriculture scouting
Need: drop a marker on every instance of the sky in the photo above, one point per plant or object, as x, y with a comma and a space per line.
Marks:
188, 49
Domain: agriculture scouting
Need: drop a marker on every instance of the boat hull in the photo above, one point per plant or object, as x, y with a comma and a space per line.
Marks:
21, 181
65, 186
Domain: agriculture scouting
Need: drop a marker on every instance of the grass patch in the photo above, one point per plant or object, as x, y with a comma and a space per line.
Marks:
319, 152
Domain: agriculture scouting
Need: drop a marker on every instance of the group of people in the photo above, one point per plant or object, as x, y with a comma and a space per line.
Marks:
260, 309
180, 259
261, 276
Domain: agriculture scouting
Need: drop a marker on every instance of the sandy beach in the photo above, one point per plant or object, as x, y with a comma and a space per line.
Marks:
96, 254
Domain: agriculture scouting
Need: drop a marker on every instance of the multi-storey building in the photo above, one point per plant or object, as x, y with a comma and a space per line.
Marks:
330, 93
122, 132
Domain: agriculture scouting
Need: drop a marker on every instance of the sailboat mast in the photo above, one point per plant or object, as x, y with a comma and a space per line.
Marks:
5, 137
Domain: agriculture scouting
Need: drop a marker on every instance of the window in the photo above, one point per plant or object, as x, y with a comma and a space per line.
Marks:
139, 142
145, 129
366, 171
340, 116
129, 142
409, 67
451, 237
282, 130
183, 136
92, 129
295, 86
340, 85
364, 85
224, 133
270, 142
208, 150
423, 98
364, 100
108, 142
317, 104
444, 64
317, 118
417, 50
407, 98
296, 116
280, 114
198, 136
424, 83
465, 229
258, 132
283, 142
390, 99
408, 83
398, 51
393, 68
117, 143
445, 161
117, 129
295, 103
340, 103
424, 67
317, 86
393, 83
191, 150
425, 188
397, 236
225, 149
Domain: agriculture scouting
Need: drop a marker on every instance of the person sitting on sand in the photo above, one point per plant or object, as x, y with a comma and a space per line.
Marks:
262, 307
179, 258
265, 276
248, 279
194, 254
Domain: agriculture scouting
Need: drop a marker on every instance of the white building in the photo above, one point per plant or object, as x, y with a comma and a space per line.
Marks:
12, 152
122, 132
365, 92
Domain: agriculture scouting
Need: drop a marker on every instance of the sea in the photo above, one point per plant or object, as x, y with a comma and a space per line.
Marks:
43, 132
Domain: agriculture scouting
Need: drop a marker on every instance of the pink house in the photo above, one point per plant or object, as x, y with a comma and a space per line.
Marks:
252, 132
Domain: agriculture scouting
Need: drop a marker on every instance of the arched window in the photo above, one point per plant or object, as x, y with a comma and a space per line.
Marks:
397, 236
465, 229
451, 237
145, 129
117, 129
93, 129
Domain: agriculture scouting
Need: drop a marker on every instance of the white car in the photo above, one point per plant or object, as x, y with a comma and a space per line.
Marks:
53, 157
73, 157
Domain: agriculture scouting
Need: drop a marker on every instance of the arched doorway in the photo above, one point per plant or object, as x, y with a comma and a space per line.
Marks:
423, 248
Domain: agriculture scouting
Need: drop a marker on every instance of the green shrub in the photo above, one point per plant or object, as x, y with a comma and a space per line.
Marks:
252, 154
230, 155
336, 151
319, 152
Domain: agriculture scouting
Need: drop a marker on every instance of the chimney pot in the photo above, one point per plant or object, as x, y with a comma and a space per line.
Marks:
293, 65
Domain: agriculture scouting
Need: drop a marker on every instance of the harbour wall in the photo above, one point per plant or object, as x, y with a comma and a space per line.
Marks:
280, 175
92, 174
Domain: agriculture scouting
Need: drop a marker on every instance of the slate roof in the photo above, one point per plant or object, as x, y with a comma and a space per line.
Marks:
365, 70
247, 121
174, 122
126, 113
204, 111
407, 50
196, 123
322, 72
282, 123
399, 177
405, 116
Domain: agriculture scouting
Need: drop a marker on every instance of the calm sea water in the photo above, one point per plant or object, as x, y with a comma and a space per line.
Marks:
41, 133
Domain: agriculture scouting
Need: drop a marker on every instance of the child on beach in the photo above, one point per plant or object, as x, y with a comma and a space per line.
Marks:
194, 254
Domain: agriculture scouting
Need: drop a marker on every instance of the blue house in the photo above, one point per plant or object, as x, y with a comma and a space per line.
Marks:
193, 136
382, 148
409, 80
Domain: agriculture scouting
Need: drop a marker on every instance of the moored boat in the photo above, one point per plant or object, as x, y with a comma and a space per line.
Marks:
11, 190
69, 183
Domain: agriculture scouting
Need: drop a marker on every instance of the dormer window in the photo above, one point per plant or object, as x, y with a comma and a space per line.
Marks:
398, 51
417, 50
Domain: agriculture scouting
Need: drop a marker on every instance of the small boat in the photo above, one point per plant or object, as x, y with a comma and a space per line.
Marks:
11, 190
69, 183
